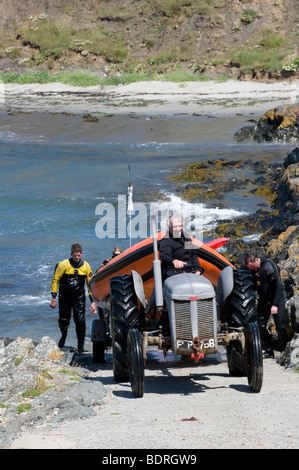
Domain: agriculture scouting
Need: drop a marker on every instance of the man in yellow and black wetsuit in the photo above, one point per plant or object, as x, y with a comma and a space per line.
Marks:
71, 275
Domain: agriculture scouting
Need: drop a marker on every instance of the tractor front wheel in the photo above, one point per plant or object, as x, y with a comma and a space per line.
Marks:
253, 357
136, 362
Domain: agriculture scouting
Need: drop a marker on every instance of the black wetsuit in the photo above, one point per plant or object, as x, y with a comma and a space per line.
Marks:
271, 293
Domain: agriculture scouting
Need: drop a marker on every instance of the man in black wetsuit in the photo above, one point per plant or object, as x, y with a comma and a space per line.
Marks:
271, 299
175, 253
71, 275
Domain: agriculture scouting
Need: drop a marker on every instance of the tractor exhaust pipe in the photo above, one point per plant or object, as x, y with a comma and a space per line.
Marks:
157, 267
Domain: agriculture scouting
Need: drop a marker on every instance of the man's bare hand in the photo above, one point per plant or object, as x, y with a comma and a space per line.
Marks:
93, 308
178, 264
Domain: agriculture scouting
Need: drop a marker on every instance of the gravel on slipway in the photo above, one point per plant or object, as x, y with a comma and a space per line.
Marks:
185, 406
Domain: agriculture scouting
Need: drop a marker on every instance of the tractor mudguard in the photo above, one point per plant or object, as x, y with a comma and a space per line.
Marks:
225, 285
138, 287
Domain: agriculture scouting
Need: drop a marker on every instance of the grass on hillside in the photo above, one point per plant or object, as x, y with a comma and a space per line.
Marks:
268, 52
51, 39
45, 43
85, 79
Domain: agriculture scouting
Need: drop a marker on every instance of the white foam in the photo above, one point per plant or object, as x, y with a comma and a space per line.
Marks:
9, 136
25, 300
252, 238
210, 216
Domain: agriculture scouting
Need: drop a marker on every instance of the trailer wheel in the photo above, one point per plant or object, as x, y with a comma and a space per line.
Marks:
136, 362
124, 315
98, 353
253, 357
100, 340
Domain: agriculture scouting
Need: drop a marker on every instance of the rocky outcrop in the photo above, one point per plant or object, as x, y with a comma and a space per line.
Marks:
284, 248
292, 157
286, 251
277, 124
290, 357
38, 385
278, 238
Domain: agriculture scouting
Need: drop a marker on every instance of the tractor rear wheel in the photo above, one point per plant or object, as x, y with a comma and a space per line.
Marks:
242, 300
124, 315
240, 310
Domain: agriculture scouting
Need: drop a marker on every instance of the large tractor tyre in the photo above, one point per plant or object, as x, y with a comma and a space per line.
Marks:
124, 315
240, 310
253, 357
241, 303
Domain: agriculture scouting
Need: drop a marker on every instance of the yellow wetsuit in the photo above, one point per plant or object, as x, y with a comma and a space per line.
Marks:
71, 278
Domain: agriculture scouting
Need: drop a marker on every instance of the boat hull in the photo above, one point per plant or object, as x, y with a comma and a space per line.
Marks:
140, 258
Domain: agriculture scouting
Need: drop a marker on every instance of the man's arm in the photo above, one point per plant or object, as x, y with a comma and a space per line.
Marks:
60, 269
274, 279
93, 307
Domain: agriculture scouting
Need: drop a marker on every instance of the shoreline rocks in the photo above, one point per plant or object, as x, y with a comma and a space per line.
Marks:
277, 124
38, 386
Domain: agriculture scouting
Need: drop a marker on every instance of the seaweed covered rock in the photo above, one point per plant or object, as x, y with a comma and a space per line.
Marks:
277, 124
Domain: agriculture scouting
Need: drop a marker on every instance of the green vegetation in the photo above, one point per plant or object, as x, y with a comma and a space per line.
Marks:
50, 39
129, 41
85, 79
268, 52
171, 7
18, 361
40, 388
184, 76
76, 78
291, 66
73, 375
23, 407
189, 8
248, 16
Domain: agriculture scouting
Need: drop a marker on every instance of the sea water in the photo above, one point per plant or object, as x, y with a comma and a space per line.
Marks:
48, 198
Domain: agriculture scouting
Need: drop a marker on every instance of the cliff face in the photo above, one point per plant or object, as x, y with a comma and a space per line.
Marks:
206, 36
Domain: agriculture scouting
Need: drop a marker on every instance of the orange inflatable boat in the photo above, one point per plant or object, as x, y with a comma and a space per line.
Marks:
140, 258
